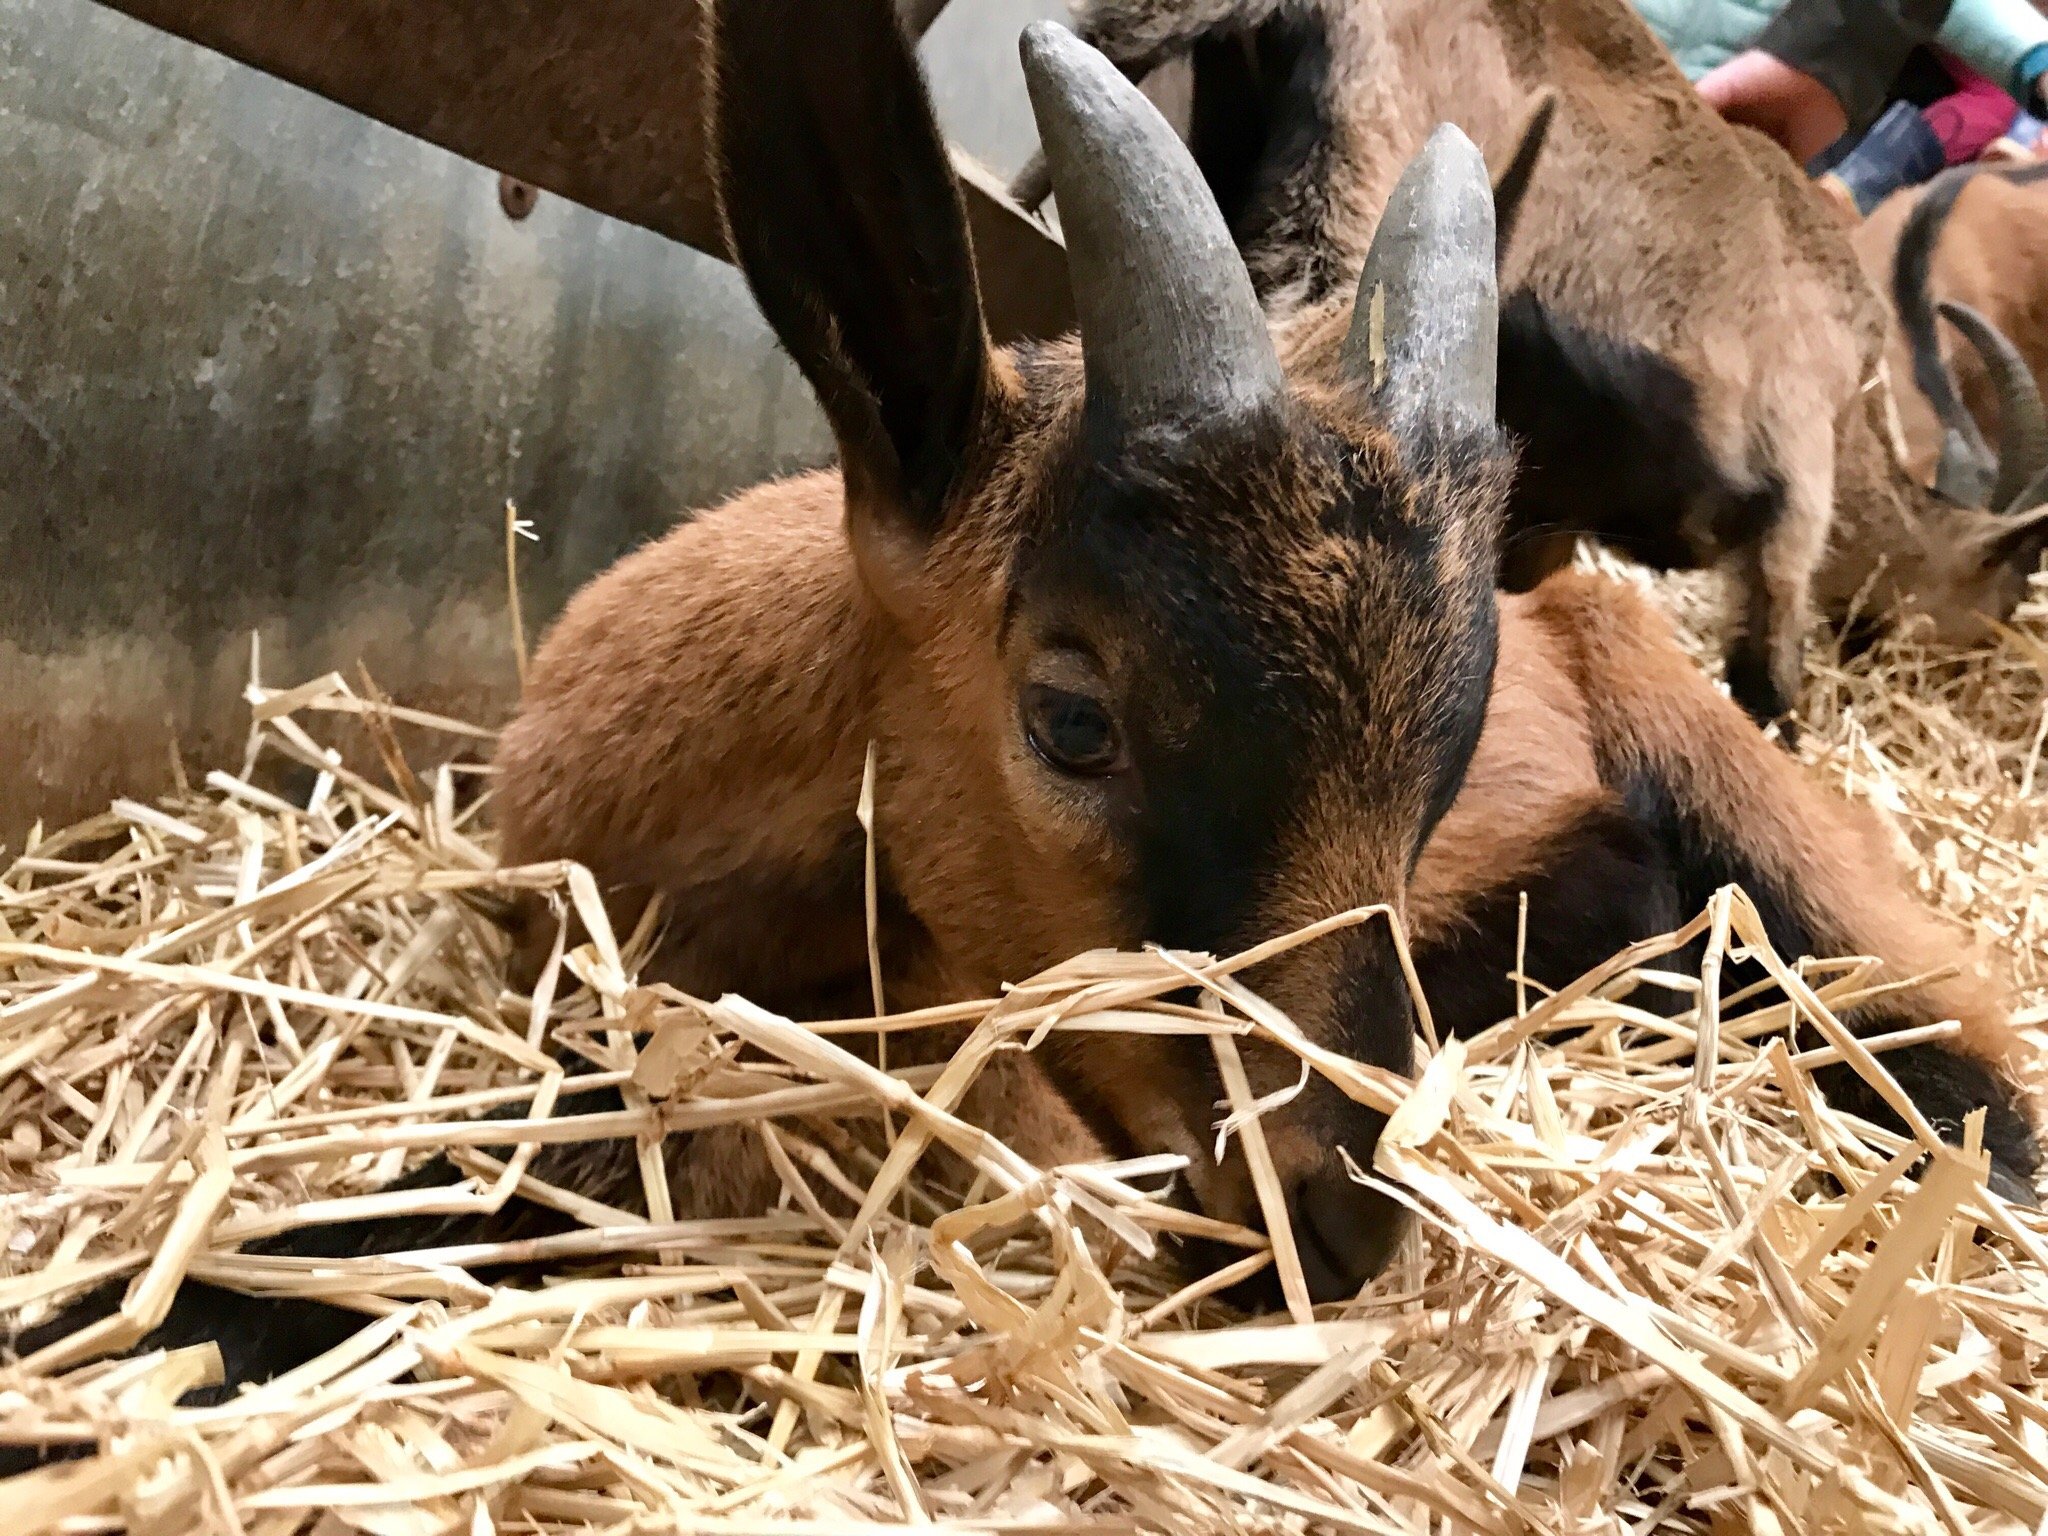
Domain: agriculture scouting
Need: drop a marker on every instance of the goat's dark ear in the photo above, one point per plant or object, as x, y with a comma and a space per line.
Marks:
1511, 187
841, 209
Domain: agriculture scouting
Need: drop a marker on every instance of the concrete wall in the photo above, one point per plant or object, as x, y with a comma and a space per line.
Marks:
266, 365
970, 57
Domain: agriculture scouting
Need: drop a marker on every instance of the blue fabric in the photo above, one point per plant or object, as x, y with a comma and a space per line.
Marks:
1703, 34
1900, 150
2027, 77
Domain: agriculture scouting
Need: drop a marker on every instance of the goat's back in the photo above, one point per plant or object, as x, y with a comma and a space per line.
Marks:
1643, 196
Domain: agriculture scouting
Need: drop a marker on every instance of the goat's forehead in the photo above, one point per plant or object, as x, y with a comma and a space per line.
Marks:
1325, 598
1303, 541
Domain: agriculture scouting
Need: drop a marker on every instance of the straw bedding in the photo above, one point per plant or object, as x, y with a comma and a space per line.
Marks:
1656, 1284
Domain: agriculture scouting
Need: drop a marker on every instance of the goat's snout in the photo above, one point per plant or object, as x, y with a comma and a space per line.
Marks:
1344, 1231
1349, 992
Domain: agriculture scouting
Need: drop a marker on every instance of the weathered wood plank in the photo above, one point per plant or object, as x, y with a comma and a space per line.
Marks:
601, 104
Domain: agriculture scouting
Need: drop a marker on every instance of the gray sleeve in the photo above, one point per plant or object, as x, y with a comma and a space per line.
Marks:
1855, 48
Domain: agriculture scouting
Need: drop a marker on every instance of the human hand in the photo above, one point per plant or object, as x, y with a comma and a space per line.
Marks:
2008, 152
1766, 93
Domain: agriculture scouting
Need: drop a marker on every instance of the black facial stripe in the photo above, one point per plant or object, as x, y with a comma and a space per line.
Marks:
1217, 743
1281, 625
1372, 1005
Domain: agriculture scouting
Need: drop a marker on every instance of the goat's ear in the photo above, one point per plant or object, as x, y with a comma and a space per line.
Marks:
1511, 187
841, 209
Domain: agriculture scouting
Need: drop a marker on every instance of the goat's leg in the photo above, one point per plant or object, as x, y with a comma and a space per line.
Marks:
1734, 810
1766, 662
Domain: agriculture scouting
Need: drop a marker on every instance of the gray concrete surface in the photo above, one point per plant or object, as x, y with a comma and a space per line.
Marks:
268, 366
970, 57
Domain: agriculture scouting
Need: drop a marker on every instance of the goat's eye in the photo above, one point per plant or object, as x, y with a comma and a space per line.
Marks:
1071, 731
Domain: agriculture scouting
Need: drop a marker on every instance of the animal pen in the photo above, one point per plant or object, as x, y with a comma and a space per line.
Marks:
1655, 1281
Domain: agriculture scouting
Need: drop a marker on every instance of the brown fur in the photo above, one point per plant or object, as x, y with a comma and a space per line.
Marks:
738, 645
696, 722
701, 711
1531, 780
1900, 546
1649, 219
1282, 620
1653, 222
1649, 709
698, 719
1296, 610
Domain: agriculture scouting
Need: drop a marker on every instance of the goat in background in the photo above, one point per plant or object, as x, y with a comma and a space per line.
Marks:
1688, 348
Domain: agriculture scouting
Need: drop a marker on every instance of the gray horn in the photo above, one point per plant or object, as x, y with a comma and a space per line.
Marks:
1962, 474
1964, 471
1171, 330
1425, 333
2022, 419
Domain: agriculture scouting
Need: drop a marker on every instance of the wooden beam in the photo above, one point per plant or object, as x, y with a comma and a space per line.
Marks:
601, 104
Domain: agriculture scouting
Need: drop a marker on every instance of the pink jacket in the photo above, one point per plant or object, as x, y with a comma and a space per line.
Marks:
1967, 122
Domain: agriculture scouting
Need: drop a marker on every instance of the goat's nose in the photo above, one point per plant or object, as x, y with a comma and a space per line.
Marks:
1345, 1231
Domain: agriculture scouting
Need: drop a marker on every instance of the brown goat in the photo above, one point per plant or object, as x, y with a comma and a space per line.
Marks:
1687, 333
1976, 235
1154, 641
1975, 240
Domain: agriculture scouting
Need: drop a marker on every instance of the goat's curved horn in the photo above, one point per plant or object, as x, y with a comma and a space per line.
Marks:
1170, 327
2022, 419
1425, 333
1962, 474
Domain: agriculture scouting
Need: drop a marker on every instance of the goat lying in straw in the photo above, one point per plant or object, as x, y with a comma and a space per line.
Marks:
1689, 347
1151, 640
